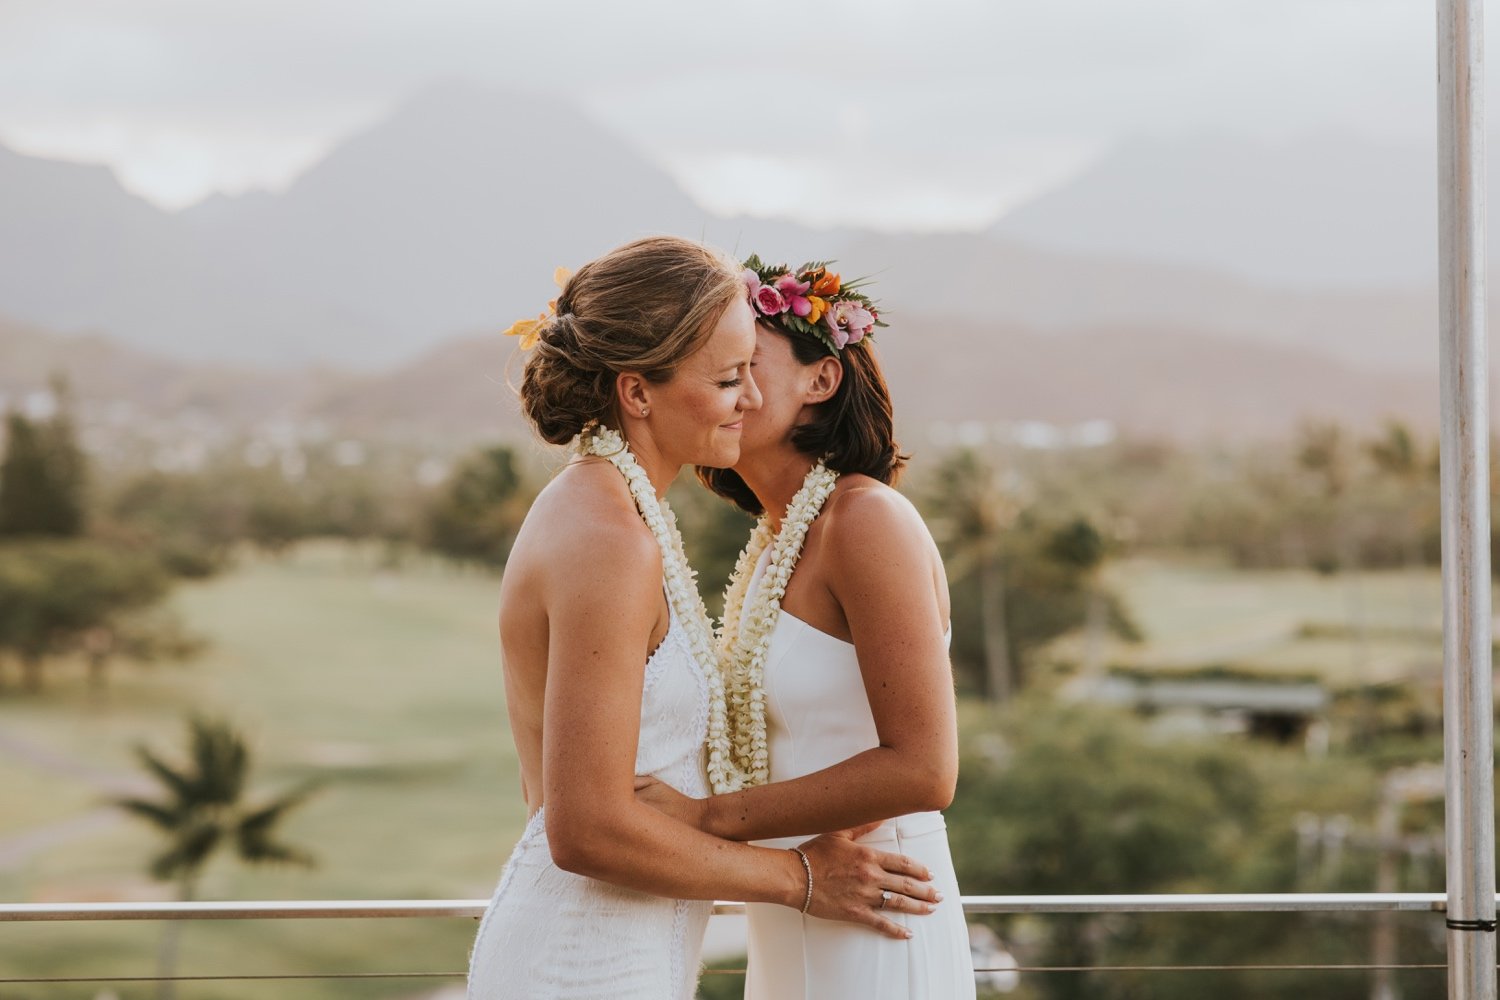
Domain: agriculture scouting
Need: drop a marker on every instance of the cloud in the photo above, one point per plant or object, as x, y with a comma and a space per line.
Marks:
189, 97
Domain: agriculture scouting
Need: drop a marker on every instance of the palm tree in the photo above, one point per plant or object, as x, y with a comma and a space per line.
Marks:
1325, 453
1398, 457
1079, 547
203, 810
973, 510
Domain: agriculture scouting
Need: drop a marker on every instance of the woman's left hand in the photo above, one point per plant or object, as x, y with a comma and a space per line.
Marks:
664, 798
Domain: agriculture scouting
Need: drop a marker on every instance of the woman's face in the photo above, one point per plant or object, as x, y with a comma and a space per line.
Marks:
785, 384
698, 413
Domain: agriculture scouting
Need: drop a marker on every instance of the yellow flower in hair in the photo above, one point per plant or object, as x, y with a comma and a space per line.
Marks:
819, 307
529, 330
560, 279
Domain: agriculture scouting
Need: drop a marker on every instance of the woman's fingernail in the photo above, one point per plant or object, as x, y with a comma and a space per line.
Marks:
939, 896
906, 934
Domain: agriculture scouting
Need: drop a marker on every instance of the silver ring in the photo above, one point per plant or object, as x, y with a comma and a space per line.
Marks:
885, 897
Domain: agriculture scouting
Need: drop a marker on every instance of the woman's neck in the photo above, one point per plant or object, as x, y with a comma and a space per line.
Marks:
660, 469
774, 477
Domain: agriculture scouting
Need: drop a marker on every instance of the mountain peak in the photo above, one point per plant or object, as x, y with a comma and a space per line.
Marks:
1324, 209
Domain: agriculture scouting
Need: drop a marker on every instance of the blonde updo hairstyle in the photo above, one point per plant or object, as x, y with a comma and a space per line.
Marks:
644, 307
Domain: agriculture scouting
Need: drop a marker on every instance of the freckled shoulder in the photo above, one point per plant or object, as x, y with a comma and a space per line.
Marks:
864, 513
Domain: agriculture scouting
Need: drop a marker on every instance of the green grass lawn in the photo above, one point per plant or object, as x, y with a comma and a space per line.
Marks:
1286, 622
387, 686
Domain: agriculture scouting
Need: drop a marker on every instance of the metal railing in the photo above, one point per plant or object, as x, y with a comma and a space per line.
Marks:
322, 909
1227, 903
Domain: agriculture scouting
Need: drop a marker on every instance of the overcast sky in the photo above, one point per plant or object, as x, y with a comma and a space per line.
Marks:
893, 113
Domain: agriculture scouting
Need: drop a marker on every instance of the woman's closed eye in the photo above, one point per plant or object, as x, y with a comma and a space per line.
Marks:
733, 383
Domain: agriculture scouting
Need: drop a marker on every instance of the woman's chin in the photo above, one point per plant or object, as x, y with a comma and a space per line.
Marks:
722, 455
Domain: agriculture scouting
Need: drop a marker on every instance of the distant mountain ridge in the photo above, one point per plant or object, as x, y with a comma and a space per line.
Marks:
1146, 382
448, 217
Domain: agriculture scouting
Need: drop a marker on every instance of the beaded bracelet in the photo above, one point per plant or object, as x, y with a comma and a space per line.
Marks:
807, 867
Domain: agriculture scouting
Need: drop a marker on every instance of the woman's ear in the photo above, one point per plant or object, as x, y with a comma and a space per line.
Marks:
827, 376
634, 394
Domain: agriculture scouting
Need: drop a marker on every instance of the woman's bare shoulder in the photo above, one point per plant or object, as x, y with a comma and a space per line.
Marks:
585, 522
861, 509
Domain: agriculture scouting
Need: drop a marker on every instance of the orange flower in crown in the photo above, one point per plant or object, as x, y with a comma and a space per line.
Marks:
529, 330
812, 301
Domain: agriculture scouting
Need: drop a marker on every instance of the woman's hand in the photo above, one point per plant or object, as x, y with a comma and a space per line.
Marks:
849, 880
664, 798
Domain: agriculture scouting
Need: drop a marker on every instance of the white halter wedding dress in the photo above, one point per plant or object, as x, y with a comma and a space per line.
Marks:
552, 935
817, 715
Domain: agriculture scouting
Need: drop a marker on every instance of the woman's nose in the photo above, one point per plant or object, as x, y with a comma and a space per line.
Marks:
750, 397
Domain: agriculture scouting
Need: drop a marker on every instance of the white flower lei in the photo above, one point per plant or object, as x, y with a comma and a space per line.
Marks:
746, 636
682, 591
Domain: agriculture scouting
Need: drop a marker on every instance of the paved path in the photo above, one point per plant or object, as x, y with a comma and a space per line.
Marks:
52, 761
17, 848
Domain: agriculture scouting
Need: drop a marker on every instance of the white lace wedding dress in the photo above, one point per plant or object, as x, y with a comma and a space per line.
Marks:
817, 715
552, 935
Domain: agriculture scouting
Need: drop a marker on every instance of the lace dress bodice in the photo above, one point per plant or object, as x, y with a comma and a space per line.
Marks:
674, 716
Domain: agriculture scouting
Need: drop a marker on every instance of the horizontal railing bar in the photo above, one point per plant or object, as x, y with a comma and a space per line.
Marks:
263, 977
1217, 968
300, 909
1218, 902
228, 977
1289, 902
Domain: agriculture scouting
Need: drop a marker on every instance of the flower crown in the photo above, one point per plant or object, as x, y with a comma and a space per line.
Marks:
812, 301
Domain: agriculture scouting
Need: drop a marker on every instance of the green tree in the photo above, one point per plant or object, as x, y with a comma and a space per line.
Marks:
1080, 803
41, 479
1326, 456
1058, 798
1078, 545
1325, 453
477, 515
275, 520
1020, 576
191, 521
55, 594
1398, 458
153, 636
973, 511
203, 811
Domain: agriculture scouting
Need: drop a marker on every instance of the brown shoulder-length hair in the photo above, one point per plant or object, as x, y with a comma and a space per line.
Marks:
853, 432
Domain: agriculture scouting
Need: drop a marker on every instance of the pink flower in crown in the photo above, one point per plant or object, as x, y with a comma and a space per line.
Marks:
861, 324
752, 282
769, 301
795, 292
850, 323
840, 334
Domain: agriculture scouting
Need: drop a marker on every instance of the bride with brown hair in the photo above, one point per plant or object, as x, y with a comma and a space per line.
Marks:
643, 365
835, 650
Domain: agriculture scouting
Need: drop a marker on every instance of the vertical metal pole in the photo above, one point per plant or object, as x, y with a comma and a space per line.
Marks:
1468, 706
